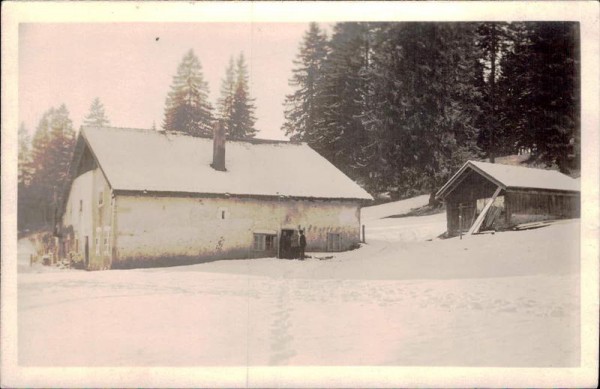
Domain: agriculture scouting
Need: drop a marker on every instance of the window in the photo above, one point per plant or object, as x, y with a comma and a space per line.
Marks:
264, 242
223, 213
270, 242
80, 205
97, 244
334, 242
100, 198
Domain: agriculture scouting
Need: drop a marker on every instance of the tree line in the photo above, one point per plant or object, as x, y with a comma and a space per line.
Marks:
400, 106
43, 160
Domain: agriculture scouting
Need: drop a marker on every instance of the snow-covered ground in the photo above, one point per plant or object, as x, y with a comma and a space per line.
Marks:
509, 299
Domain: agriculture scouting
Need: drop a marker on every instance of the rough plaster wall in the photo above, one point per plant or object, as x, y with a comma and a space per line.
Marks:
100, 257
81, 189
155, 227
93, 220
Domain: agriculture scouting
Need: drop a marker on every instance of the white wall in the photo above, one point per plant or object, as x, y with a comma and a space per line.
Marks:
81, 190
94, 220
189, 229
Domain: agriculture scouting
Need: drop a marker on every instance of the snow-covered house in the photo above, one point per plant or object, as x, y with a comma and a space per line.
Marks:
485, 195
144, 198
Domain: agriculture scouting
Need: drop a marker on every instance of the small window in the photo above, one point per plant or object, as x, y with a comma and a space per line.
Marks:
259, 242
223, 214
80, 205
100, 198
264, 242
334, 242
269, 242
97, 241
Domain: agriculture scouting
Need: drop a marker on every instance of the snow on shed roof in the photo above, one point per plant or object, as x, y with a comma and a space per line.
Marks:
138, 160
508, 176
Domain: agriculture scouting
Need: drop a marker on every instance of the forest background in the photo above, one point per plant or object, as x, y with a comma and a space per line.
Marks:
398, 107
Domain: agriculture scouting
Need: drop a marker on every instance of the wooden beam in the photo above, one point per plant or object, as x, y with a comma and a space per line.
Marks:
477, 225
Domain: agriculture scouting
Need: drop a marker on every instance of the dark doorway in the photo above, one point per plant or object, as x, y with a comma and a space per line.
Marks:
287, 248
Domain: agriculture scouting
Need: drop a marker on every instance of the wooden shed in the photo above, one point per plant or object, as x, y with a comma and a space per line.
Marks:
486, 196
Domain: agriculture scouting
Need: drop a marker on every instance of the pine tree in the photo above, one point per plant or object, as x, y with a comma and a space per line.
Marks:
24, 157
493, 42
301, 107
541, 85
242, 107
424, 104
339, 132
96, 117
187, 108
52, 148
24, 202
225, 102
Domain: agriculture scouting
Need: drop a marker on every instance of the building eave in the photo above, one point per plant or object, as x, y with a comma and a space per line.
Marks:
155, 193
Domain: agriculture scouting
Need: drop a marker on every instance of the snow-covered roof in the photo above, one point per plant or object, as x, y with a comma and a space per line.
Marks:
508, 176
147, 160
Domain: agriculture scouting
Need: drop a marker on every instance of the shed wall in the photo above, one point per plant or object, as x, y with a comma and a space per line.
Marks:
533, 205
155, 230
518, 205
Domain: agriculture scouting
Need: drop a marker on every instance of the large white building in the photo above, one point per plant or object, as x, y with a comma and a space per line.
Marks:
144, 198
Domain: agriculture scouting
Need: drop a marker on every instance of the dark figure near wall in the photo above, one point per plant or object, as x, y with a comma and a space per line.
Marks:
302, 242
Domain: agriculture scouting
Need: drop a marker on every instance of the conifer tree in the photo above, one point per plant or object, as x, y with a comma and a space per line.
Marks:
97, 116
225, 102
493, 42
425, 104
242, 107
24, 157
541, 88
302, 106
339, 132
187, 108
52, 148
24, 178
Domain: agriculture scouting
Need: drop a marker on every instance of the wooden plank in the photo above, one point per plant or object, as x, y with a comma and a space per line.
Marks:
477, 225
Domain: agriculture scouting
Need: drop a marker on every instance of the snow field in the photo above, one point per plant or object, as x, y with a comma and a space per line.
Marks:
509, 299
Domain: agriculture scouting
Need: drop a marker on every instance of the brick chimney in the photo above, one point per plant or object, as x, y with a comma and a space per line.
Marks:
219, 147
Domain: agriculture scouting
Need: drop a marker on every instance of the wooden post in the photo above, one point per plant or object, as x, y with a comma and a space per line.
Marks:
364, 238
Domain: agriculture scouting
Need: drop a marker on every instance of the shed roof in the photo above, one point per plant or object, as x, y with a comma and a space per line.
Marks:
507, 176
147, 160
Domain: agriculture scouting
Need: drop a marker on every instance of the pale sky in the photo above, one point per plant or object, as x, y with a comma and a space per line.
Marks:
130, 66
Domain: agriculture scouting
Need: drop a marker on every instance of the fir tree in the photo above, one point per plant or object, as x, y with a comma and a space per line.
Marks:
52, 148
339, 132
493, 42
301, 107
225, 102
24, 202
422, 120
242, 107
541, 88
187, 108
24, 157
96, 117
